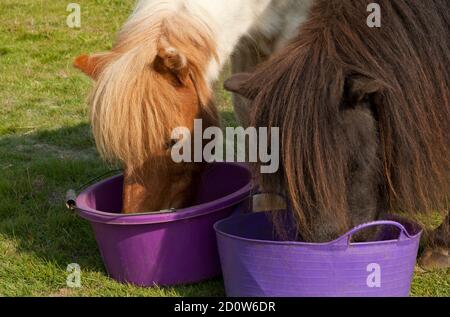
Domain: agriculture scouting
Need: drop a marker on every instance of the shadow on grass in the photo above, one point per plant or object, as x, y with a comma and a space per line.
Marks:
36, 170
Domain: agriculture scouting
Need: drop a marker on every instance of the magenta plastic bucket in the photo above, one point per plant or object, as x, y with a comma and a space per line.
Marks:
166, 248
256, 264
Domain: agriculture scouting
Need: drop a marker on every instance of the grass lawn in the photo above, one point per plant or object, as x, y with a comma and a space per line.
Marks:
46, 148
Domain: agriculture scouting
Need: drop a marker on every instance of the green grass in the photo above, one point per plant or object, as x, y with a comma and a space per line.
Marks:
46, 148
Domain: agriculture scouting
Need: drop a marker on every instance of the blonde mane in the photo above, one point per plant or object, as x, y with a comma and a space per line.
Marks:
133, 107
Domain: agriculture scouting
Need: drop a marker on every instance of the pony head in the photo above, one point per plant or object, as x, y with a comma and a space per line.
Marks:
339, 75
151, 82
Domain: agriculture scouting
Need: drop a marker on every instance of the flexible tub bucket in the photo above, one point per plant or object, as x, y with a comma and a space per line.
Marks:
257, 264
166, 248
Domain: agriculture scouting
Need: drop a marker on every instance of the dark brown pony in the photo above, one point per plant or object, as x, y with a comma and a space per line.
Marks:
363, 113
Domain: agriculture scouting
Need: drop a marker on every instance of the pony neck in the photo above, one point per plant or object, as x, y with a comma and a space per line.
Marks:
229, 21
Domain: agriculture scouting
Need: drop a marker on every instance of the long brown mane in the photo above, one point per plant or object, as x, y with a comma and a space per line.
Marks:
400, 69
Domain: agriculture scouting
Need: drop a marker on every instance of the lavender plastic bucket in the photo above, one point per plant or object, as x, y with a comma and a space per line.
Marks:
166, 248
255, 264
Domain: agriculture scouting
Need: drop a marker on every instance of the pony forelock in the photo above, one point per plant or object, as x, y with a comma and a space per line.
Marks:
399, 68
132, 107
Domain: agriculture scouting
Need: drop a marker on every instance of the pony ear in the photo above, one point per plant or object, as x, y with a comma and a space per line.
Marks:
173, 60
91, 65
238, 84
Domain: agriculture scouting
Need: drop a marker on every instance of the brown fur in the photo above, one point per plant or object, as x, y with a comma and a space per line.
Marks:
364, 113
151, 82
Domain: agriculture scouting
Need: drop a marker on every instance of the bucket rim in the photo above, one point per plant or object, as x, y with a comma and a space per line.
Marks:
336, 242
224, 202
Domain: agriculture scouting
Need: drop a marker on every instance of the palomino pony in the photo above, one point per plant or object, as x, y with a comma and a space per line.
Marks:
364, 115
159, 75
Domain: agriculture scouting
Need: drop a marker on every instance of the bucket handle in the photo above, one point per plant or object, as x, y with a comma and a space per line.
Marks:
71, 194
346, 238
71, 199
241, 207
